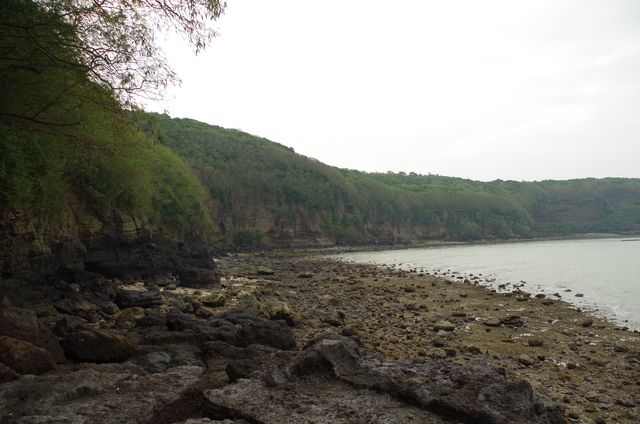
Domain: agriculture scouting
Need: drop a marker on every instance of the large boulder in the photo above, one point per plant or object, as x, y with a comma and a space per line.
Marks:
24, 325
98, 346
24, 357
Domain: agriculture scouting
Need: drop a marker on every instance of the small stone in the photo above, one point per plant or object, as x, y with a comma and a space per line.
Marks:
587, 323
535, 341
444, 326
438, 354
620, 346
438, 341
525, 359
492, 322
394, 340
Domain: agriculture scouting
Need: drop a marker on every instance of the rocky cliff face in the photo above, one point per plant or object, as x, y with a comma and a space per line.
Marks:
300, 227
106, 241
31, 249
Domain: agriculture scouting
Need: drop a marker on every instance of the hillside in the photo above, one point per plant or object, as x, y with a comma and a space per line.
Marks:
82, 169
264, 192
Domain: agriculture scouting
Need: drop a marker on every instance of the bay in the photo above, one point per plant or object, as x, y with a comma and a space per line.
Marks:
604, 273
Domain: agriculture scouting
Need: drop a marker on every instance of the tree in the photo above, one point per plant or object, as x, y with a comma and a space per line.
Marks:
62, 54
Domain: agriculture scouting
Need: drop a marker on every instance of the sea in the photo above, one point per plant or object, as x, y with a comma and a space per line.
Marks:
598, 275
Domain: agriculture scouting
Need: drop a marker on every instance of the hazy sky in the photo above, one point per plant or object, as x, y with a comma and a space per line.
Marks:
512, 90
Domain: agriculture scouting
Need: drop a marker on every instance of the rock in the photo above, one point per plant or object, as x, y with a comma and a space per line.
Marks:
444, 326
24, 357
620, 346
213, 300
305, 275
587, 322
526, 359
24, 325
107, 394
269, 333
251, 303
197, 278
276, 310
154, 362
7, 374
474, 392
513, 321
98, 346
492, 322
535, 341
219, 348
264, 271
336, 318
134, 298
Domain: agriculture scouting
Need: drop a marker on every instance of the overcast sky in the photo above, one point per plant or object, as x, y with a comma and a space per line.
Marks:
485, 90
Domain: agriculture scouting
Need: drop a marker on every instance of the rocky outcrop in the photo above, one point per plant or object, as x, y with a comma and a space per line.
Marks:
333, 381
113, 393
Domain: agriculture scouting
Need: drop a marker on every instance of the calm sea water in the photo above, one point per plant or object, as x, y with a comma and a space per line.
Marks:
605, 271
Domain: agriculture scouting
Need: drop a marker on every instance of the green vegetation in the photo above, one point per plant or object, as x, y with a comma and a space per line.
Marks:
69, 128
64, 131
243, 172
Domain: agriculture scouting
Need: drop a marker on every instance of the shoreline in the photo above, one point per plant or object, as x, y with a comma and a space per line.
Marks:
583, 362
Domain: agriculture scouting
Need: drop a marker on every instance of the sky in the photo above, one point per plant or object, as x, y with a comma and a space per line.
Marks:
484, 90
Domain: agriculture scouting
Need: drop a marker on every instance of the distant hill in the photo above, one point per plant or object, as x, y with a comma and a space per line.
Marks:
263, 191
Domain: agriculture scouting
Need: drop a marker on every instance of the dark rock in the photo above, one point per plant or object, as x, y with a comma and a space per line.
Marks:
24, 325
7, 374
151, 321
174, 338
513, 321
239, 316
264, 271
24, 357
220, 348
213, 300
197, 277
475, 392
134, 298
269, 333
98, 346
65, 324
107, 394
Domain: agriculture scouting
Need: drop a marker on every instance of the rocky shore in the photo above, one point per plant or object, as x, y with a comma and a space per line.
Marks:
280, 338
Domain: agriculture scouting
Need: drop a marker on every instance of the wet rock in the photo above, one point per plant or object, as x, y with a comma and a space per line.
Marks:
24, 357
98, 346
